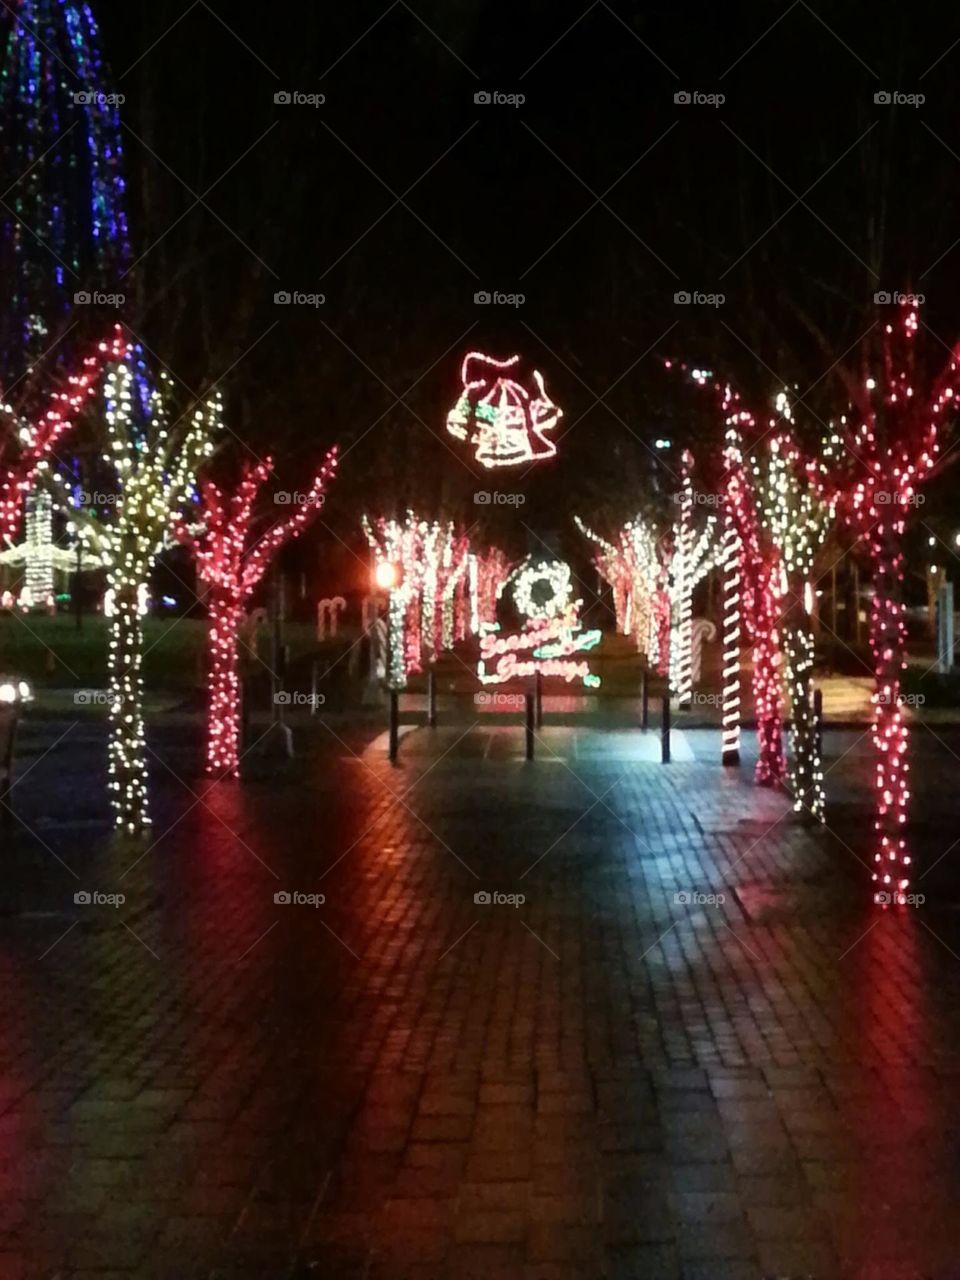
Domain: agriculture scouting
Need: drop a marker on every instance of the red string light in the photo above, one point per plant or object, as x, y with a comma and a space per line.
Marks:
28, 444
231, 566
871, 468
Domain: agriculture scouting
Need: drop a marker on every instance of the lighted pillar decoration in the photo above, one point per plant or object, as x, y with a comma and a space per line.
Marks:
690, 558
680, 664
760, 574
730, 554
233, 553
155, 466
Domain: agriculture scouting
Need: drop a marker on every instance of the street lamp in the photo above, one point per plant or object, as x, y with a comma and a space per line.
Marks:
386, 575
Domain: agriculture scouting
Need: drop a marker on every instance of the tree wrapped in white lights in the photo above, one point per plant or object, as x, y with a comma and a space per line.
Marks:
634, 571
796, 521
428, 601
155, 466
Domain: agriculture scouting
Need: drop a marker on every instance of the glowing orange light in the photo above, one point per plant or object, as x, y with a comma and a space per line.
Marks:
386, 575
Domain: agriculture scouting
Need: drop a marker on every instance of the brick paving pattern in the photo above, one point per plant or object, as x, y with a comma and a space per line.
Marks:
403, 1082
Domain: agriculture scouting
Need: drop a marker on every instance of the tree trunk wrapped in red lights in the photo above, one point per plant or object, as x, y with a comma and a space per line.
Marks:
231, 563
889, 444
29, 438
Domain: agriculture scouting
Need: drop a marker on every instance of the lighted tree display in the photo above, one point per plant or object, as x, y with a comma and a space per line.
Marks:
635, 572
429, 605
796, 522
653, 579
63, 229
155, 463
752, 593
488, 574
28, 438
760, 576
882, 448
231, 561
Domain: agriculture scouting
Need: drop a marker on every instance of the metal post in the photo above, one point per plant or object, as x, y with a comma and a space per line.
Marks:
644, 700
276, 645
394, 725
77, 597
539, 699
530, 710
665, 730
818, 717
432, 698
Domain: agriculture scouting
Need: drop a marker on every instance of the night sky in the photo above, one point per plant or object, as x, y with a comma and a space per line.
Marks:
598, 198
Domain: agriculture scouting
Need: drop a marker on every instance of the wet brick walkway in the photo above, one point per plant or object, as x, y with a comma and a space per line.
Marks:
612, 1078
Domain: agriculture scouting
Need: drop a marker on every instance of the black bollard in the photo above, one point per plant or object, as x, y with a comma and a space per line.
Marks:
432, 698
644, 700
665, 730
530, 710
539, 699
394, 725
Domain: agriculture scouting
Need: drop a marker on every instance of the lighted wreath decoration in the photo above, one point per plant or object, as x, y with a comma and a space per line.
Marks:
542, 589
